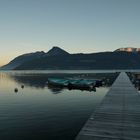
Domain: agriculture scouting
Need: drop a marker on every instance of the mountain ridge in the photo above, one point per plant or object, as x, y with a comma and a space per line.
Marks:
29, 56
57, 58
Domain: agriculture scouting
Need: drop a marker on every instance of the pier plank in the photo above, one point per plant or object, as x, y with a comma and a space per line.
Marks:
118, 116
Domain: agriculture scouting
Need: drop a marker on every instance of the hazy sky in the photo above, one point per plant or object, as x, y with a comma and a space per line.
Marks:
75, 25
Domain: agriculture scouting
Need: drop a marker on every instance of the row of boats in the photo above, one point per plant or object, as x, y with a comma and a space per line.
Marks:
88, 84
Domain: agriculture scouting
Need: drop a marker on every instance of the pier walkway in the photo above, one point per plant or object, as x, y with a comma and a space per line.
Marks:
118, 116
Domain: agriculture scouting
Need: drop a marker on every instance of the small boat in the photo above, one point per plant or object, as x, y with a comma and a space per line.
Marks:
82, 83
58, 82
74, 83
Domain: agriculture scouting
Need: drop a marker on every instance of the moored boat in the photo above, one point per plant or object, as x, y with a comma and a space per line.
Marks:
58, 82
74, 83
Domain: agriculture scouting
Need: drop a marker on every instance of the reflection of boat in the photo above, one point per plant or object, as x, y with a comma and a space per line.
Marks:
75, 83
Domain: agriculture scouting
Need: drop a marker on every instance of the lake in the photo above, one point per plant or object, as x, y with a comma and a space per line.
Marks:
39, 112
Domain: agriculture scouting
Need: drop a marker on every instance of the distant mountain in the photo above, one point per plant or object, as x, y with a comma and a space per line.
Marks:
57, 58
56, 51
25, 58
22, 59
129, 49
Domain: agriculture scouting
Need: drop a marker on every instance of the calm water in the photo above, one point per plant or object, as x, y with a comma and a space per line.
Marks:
38, 112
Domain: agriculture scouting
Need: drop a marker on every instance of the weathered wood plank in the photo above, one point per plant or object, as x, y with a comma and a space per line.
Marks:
117, 117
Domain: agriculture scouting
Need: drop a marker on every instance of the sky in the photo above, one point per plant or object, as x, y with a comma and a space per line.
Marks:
84, 26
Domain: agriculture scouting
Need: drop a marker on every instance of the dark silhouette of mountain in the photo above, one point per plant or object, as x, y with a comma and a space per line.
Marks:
56, 51
57, 58
31, 56
22, 59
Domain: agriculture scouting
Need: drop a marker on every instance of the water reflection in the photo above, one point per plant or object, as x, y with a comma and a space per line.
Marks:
55, 90
35, 113
40, 80
31, 81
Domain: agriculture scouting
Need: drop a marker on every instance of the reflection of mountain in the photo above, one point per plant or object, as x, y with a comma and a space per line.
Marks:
39, 80
31, 80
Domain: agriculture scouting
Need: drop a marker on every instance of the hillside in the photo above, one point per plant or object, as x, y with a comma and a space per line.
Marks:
25, 58
57, 58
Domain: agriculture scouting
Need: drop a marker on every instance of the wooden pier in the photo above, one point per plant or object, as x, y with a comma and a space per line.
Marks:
118, 116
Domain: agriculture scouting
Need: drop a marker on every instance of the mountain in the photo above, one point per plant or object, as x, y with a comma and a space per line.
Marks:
57, 58
129, 49
25, 58
22, 59
56, 51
